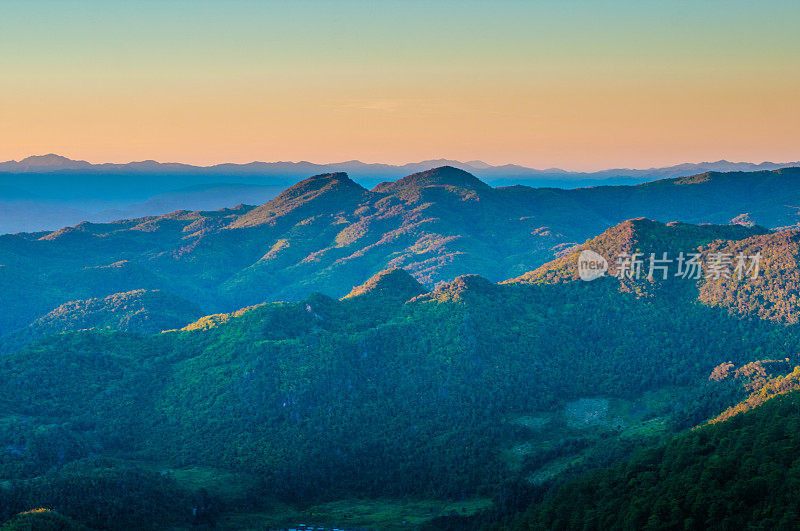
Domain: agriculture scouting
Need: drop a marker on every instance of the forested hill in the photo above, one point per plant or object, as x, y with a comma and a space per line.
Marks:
142, 311
646, 237
770, 294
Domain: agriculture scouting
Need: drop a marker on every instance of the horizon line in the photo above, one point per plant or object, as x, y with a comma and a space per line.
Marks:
400, 165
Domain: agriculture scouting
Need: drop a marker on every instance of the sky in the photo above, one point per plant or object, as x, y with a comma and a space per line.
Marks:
576, 84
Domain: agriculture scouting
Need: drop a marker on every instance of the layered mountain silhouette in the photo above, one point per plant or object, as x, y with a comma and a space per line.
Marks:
56, 163
46, 192
329, 234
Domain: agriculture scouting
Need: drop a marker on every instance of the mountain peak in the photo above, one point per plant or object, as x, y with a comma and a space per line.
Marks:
464, 287
318, 182
441, 176
51, 159
337, 190
394, 283
44, 163
478, 164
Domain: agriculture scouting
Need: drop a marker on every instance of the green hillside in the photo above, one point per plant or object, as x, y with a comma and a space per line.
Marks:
145, 312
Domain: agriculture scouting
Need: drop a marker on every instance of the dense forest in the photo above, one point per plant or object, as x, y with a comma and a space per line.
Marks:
445, 380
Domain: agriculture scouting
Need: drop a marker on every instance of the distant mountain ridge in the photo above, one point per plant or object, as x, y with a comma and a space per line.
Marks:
46, 192
57, 163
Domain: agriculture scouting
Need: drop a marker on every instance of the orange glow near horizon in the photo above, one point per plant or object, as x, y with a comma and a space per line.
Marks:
642, 87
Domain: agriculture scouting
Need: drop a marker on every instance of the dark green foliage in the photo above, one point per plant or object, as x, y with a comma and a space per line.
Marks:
775, 293
420, 393
740, 474
100, 495
392, 390
42, 520
145, 312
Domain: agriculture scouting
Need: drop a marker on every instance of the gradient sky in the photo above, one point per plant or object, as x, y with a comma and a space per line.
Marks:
577, 84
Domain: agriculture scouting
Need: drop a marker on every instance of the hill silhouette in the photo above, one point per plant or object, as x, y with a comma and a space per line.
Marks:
442, 176
389, 284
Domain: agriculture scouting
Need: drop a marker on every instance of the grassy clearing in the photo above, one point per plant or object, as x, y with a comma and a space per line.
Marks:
229, 487
389, 514
591, 420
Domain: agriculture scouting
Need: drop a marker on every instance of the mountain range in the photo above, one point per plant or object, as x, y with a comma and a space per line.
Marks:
47, 192
433, 331
327, 233
57, 163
